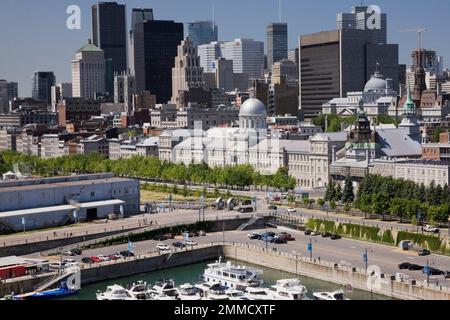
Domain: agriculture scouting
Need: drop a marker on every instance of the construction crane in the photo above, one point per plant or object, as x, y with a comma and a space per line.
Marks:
419, 31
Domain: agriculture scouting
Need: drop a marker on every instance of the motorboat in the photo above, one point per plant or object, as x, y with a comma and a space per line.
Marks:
258, 294
236, 295
288, 289
140, 291
188, 292
234, 277
164, 290
114, 292
212, 291
336, 295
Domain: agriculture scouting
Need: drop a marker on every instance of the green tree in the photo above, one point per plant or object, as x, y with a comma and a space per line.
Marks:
347, 195
338, 195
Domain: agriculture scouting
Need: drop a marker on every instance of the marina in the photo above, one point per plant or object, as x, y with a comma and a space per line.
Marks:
192, 275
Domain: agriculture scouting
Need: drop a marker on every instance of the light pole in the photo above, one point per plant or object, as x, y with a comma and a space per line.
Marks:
203, 205
24, 224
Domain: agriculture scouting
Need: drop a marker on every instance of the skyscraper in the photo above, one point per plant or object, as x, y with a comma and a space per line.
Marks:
247, 56
361, 18
138, 15
42, 86
335, 62
88, 72
277, 43
186, 73
202, 32
109, 33
155, 49
208, 54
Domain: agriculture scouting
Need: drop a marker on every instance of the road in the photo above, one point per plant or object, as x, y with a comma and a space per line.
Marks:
342, 251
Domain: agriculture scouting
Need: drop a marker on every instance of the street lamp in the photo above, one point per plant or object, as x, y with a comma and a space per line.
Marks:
366, 258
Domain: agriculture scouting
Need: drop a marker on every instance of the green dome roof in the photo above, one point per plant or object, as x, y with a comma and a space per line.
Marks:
89, 47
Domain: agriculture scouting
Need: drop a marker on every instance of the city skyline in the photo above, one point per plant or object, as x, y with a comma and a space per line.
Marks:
50, 47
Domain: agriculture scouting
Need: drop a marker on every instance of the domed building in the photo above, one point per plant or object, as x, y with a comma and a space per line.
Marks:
253, 115
378, 97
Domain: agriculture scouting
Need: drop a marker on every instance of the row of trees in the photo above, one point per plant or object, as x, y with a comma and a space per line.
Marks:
335, 192
151, 168
404, 199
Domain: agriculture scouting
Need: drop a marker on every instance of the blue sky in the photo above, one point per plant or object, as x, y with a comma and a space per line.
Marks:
34, 36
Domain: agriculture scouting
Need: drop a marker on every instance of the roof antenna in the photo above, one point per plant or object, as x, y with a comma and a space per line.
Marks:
279, 10
213, 17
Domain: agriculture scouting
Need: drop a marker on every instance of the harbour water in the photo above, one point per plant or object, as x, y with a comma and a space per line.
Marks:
191, 274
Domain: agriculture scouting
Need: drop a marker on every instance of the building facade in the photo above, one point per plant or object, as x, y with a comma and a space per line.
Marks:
155, 49
88, 72
42, 86
277, 43
202, 32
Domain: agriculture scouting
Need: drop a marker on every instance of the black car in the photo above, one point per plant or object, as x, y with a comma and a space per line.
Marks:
127, 254
246, 210
326, 235
447, 274
404, 265
436, 272
77, 252
307, 232
424, 252
179, 245
335, 237
415, 267
278, 241
87, 260
268, 234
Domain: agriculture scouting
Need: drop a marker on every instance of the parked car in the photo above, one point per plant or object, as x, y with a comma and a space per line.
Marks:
179, 245
326, 235
423, 252
169, 236
278, 241
291, 210
194, 234
246, 210
436, 272
276, 199
285, 236
335, 237
190, 243
87, 260
95, 259
447, 274
67, 261
415, 267
103, 258
267, 238
404, 265
429, 228
71, 264
268, 234
69, 253
159, 237
56, 265
202, 233
254, 236
162, 247
116, 256
77, 252
127, 254
308, 232
315, 233
272, 207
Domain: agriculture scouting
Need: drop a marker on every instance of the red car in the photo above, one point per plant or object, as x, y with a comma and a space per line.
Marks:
286, 236
96, 259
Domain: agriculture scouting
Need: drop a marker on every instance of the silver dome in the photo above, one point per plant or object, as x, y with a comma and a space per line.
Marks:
376, 83
252, 107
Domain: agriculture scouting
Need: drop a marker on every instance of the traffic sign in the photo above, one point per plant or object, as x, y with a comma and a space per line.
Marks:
130, 246
365, 257
309, 247
23, 221
426, 270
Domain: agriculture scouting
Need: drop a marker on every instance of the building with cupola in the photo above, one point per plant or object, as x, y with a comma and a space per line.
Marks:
378, 98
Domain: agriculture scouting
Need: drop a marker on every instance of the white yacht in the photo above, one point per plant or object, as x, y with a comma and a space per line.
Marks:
336, 295
140, 291
188, 292
164, 290
234, 277
258, 294
236, 295
212, 291
115, 292
288, 289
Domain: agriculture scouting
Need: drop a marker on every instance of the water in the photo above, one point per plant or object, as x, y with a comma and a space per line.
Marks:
191, 274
